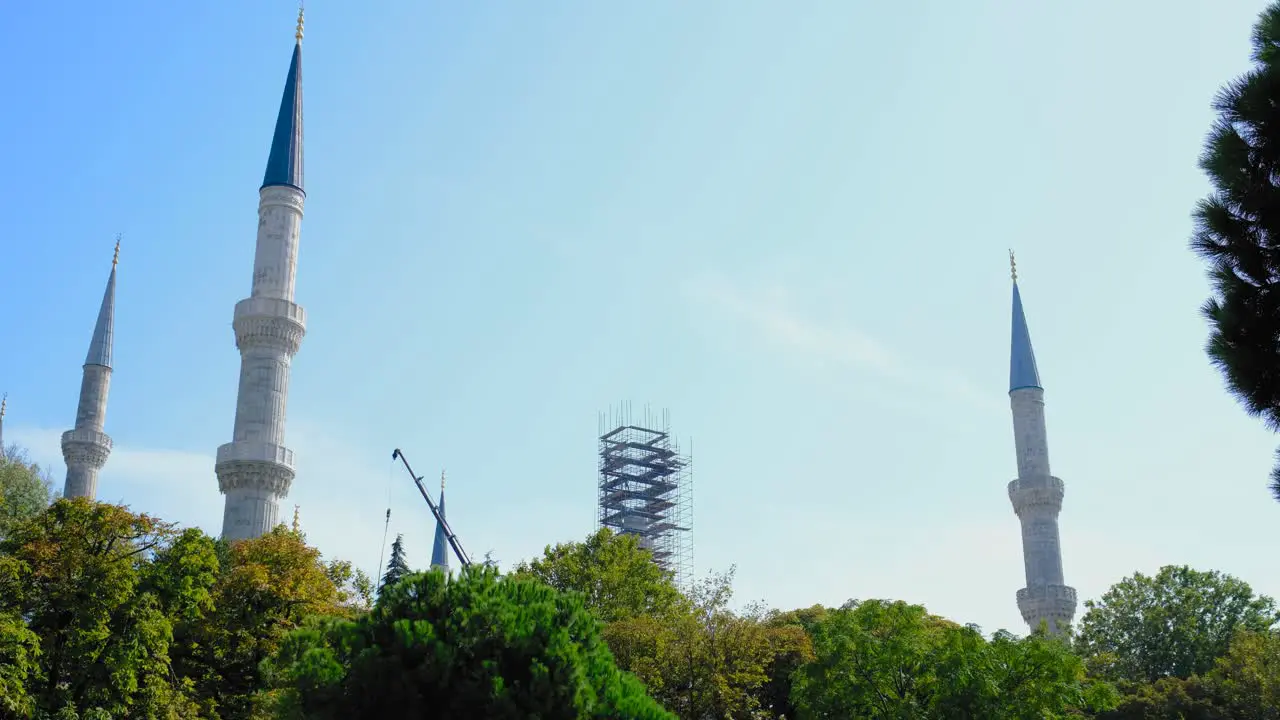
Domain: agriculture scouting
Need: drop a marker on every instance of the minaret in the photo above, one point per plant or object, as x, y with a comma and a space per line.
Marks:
3, 402
440, 551
255, 469
1036, 495
86, 447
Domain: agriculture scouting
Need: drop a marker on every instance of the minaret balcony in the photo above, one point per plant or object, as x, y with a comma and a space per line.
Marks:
1039, 495
255, 452
269, 321
87, 436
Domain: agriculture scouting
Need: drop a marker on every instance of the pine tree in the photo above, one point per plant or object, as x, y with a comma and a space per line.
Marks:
397, 567
1238, 231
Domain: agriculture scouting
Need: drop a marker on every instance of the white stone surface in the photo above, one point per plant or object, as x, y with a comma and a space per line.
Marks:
255, 470
1036, 497
86, 447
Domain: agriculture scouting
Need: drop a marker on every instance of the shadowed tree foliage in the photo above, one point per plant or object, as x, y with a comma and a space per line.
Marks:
616, 577
1238, 230
1244, 683
1174, 624
25, 488
477, 646
397, 566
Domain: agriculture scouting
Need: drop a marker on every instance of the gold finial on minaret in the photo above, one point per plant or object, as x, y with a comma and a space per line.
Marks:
115, 260
295, 519
298, 34
1013, 267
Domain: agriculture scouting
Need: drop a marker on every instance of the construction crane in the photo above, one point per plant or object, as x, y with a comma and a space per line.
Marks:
463, 559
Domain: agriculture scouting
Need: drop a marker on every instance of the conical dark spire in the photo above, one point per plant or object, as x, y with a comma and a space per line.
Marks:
284, 164
104, 331
1022, 360
440, 551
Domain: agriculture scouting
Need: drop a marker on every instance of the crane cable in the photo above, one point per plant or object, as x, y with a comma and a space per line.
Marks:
385, 528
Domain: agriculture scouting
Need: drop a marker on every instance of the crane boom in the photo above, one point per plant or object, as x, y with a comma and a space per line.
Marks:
435, 510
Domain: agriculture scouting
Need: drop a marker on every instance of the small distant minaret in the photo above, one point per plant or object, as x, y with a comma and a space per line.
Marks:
440, 551
86, 447
1036, 495
3, 402
255, 470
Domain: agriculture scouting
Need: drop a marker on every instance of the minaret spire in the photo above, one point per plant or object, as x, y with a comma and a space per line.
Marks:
440, 550
85, 448
255, 470
1036, 495
4, 402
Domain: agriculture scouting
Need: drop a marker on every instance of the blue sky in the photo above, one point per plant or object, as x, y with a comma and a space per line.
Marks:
785, 222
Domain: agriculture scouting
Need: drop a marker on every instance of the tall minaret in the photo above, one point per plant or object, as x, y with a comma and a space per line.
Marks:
440, 551
1036, 495
86, 447
3, 402
255, 469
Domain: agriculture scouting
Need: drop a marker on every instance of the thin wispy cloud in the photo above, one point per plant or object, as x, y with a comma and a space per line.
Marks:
776, 320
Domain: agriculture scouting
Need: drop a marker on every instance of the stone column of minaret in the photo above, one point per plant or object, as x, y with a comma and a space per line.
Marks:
86, 447
440, 550
255, 469
4, 401
1036, 495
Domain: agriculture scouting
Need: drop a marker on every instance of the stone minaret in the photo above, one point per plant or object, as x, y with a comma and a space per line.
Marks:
86, 447
440, 551
255, 469
3, 402
1036, 495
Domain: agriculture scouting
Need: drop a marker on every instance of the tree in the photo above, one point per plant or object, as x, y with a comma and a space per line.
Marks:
19, 667
617, 578
1244, 683
893, 660
702, 660
75, 577
25, 489
480, 645
1238, 231
397, 567
1174, 624
266, 587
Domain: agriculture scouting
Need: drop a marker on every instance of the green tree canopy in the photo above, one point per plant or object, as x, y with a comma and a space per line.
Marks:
265, 588
1244, 683
1238, 231
1176, 623
617, 577
702, 660
76, 576
397, 566
479, 645
888, 659
25, 488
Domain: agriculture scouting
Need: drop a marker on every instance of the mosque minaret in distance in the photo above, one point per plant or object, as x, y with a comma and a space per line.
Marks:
1036, 494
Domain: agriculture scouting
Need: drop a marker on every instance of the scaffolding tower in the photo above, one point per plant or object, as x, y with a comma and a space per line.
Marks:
645, 488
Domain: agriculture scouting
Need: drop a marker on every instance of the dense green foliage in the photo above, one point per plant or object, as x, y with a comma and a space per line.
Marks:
1176, 623
25, 488
888, 659
479, 645
106, 614
1238, 230
616, 577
